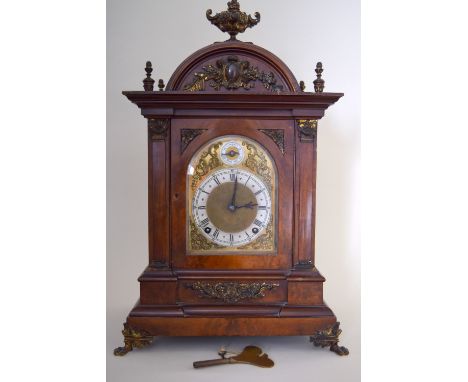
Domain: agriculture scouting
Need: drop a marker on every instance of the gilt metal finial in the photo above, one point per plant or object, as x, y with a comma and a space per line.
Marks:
233, 21
319, 84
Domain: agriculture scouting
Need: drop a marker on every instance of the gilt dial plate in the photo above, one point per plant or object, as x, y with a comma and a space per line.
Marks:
231, 200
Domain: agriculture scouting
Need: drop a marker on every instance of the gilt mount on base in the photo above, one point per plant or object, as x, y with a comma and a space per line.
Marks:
329, 337
133, 338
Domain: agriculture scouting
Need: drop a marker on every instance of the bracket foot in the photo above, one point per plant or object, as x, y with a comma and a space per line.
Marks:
133, 338
329, 337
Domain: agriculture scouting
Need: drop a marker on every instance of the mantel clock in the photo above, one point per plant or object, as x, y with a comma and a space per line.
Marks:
232, 144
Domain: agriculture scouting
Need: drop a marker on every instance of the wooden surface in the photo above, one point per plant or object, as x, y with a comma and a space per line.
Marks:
167, 306
233, 326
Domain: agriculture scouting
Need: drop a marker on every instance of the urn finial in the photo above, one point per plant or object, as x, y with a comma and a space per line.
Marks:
319, 83
233, 21
148, 82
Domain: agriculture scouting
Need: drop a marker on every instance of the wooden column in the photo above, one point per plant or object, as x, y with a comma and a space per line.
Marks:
304, 194
158, 191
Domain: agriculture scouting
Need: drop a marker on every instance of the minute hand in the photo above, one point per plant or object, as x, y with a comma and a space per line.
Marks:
232, 206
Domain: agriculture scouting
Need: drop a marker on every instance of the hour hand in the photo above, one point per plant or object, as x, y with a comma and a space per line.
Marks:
248, 205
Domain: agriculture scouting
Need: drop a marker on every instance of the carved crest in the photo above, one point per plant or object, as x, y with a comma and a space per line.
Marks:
232, 74
233, 21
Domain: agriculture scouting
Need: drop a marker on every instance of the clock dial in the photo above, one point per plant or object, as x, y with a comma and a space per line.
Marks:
231, 198
232, 153
232, 207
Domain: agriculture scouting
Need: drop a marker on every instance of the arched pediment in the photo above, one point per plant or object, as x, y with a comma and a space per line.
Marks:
233, 66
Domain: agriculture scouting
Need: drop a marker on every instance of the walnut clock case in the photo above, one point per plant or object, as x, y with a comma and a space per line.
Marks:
232, 145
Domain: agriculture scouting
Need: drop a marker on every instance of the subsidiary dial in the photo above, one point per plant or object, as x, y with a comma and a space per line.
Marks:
232, 153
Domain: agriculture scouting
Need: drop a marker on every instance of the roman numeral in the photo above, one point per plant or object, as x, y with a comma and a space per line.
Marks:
205, 192
259, 207
216, 180
233, 177
231, 237
204, 222
247, 179
201, 207
216, 233
259, 191
258, 222
247, 234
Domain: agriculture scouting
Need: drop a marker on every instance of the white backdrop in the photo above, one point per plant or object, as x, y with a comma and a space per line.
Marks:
301, 33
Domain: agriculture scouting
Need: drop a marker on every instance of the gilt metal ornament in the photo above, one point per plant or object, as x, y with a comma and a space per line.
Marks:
329, 337
208, 161
277, 136
231, 292
187, 136
233, 21
199, 242
264, 242
133, 338
257, 162
232, 74
158, 128
307, 130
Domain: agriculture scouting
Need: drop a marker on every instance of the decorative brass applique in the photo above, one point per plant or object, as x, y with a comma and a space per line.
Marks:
198, 241
232, 74
231, 292
257, 162
277, 136
187, 136
307, 130
133, 338
158, 128
233, 21
208, 161
329, 337
263, 242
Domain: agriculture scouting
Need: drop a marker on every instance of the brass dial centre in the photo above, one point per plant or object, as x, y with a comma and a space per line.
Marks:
229, 219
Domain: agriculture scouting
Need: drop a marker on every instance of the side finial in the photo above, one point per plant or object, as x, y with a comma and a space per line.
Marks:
319, 84
233, 21
148, 82
161, 85
302, 85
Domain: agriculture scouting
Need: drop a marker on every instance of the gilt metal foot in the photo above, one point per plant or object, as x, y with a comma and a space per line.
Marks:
329, 337
133, 338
